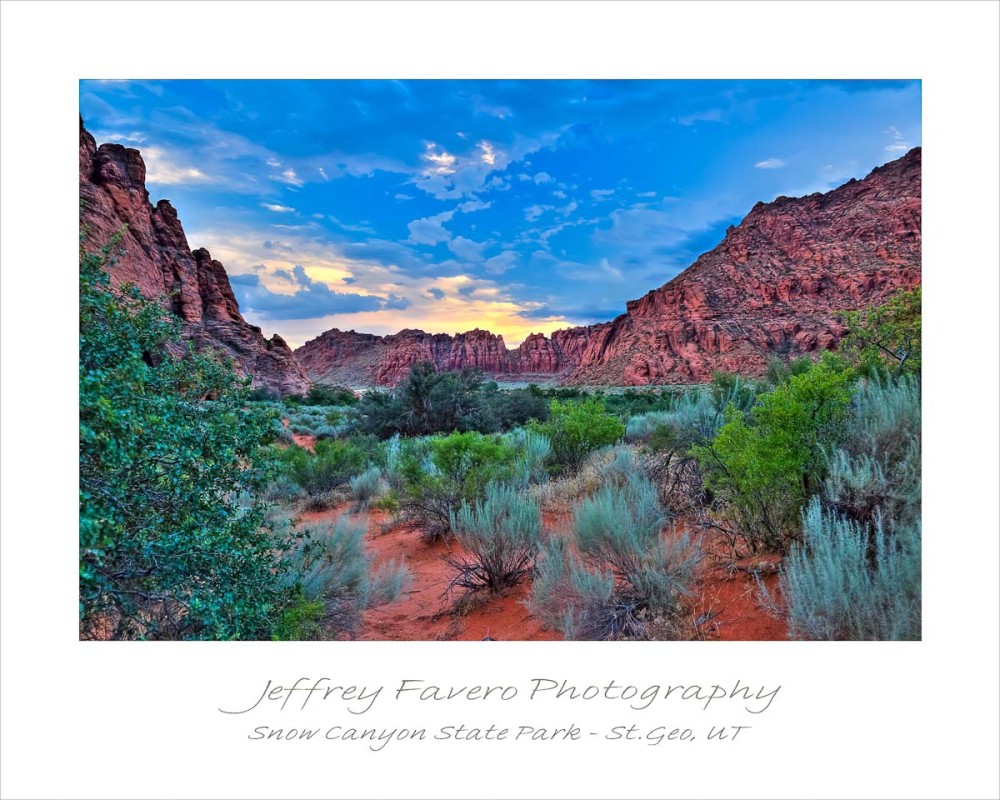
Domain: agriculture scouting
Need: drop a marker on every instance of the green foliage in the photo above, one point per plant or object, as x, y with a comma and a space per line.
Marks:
501, 534
627, 574
427, 402
169, 545
332, 463
730, 389
763, 465
575, 428
886, 337
847, 581
440, 473
320, 395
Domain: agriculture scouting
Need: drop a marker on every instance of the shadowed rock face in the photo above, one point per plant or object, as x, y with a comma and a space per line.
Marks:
158, 260
773, 286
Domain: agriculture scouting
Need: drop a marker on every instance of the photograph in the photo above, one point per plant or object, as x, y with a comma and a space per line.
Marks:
500, 359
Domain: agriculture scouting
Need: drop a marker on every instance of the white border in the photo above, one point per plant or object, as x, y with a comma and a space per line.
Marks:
872, 720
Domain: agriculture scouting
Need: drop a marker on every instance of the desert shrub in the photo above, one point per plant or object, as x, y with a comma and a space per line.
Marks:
877, 465
332, 463
442, 472
634, 402
320, 395
501, 533
575, 428
170, 545
887, 337
849, 581
366, 487
761, 466
331, 581
627, 573
730, 389
533, 450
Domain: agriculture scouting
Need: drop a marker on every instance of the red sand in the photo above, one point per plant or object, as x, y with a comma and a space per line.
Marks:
726, 606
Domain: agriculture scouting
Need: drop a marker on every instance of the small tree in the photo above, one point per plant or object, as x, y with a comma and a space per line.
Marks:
170, 546
887, 336
763, 465
575, 428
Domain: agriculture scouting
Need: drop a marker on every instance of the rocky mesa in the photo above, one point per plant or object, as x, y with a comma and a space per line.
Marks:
772, 287
156, 258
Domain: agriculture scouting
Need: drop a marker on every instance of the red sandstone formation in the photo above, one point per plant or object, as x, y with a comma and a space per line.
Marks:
157, 259
772, 287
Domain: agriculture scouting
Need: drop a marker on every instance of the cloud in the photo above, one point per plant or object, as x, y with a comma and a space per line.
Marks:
499, 264
601, 194
568, 209
401, 196
770, 163
277, 208
532, 213
430, 230
489, 154
898, 143
542, 177
473, 205
466, 249
309, 299
288, 176
163, 168
559, 193
646, 194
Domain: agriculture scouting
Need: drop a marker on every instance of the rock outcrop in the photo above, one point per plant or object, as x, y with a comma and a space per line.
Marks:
157, 259
772, 287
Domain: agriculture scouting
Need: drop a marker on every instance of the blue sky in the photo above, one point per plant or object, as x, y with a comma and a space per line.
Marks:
516, 206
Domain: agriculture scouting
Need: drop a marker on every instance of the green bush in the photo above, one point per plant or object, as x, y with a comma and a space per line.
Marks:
501, 534
442, 472
170, 546
575, 428
848, 581
763, 465
627, 575
333, 463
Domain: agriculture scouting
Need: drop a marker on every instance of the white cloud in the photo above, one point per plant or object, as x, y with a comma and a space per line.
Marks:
770, 163
430, 230
898, 143
601, 194
277, 208
489, 154
473, 205
531, 213
289, 176
568, 209
401, 196
560, 194
646, 194
499, 264
466, 249
542, 177
162, 168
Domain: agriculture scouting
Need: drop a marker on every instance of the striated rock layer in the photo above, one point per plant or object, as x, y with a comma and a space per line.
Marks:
158, 260
772, 287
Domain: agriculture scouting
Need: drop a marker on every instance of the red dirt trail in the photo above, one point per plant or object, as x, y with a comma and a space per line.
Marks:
726, 602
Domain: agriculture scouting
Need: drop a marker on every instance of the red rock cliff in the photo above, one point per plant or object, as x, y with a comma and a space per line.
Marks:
158, 260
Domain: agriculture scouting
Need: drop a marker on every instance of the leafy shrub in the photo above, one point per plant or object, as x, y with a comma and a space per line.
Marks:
169, 546
886, 337
730, 389
848, 581
331, 580
779, 371
628, 573
575, 428
501, 533
320, 395
332, 463
366, 487
533, 450
763, 465
450, 470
